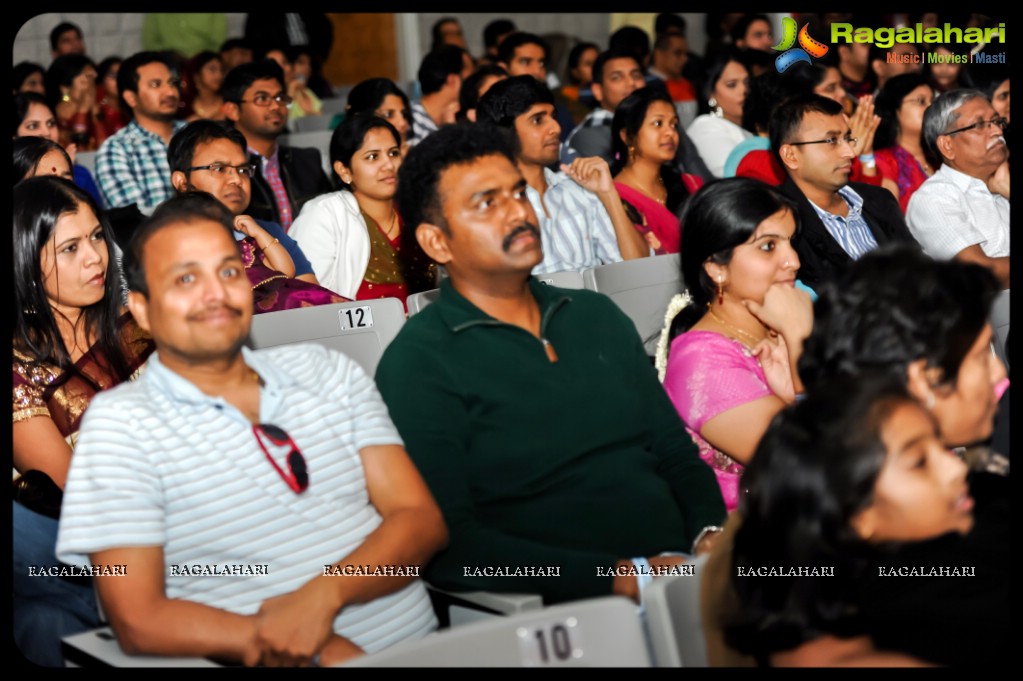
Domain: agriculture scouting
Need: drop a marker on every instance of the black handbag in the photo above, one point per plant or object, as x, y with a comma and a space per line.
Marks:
37, 492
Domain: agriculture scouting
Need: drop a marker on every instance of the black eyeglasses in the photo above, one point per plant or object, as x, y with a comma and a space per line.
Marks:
832, 142
262, 99
297, 476
244, 169
979, 126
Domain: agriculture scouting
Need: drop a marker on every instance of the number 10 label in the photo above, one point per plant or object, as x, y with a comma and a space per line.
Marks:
556, 643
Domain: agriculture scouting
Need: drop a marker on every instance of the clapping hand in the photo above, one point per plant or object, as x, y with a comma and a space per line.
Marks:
863, 124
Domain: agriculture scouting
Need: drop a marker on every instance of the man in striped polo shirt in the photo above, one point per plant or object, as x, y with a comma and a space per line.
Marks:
839, 220
261, 502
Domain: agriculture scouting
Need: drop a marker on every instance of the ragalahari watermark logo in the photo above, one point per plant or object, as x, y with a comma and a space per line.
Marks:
808, 47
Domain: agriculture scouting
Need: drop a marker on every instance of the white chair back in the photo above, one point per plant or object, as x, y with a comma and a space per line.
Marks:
319, 140
1000, 325
361, 329
601, 632
417, 301
87, 159
673, 619
568, 279
642, 288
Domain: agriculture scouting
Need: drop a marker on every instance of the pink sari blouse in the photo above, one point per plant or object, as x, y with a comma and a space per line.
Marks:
708, 374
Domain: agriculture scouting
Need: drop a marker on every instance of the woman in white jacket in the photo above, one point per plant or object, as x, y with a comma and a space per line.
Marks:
352, 237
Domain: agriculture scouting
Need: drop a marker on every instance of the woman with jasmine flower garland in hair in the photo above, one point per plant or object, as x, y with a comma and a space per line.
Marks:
736, 333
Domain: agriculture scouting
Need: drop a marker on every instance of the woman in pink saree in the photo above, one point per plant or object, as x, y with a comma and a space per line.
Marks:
736, 333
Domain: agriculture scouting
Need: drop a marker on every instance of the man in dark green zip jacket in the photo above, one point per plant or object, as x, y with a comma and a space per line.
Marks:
532, 412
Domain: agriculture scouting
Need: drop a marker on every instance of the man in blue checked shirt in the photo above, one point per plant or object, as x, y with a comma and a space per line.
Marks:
131, 165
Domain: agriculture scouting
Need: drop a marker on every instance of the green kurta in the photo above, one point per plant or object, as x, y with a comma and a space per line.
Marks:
572, 464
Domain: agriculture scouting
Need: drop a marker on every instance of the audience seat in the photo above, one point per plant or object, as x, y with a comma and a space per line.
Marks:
334, 105
600, 632
569, 279
673, 620
319, 140
99, 648
87, 159
361, 329
642, 289
417, 301
311, 123
457, 608
1000, 326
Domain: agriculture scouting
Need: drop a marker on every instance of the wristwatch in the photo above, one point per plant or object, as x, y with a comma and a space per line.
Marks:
703, 533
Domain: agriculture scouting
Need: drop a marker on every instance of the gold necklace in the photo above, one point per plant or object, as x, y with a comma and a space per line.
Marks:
736, 329
647, 191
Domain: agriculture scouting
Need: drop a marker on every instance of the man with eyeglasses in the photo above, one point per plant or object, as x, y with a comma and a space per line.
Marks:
260, 503
256, 101
209, 156
839, 220
962, 211
131, 165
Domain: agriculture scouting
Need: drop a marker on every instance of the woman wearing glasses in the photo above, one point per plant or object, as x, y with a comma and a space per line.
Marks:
71, 340
730, 344
900, 155
354, 237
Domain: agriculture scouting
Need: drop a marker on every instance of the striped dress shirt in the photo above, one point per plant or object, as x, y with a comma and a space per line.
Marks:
851, 232
579, 233
422, 125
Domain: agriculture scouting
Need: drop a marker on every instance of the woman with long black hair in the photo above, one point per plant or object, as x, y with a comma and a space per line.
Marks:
72, 339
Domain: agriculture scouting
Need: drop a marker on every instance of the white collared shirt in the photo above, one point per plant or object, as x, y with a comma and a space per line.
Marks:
952, 211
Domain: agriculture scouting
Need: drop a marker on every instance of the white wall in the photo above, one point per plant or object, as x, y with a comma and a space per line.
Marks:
106, 33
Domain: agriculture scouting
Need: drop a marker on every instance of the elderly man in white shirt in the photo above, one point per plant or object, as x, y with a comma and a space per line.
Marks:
962, 211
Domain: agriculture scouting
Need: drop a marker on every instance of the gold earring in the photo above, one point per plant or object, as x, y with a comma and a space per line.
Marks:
721, 291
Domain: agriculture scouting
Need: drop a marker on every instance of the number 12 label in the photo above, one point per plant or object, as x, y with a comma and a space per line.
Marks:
356, 317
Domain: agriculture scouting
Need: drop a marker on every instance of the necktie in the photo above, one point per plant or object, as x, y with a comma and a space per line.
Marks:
273, 177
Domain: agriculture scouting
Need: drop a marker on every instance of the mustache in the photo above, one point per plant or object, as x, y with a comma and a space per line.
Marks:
215, 309
524, 227
995, 141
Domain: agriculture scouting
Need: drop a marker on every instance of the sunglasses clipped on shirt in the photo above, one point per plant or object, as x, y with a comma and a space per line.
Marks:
297, 476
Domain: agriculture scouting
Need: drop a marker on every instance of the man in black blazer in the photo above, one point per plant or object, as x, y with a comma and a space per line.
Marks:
256, 101
839, 220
